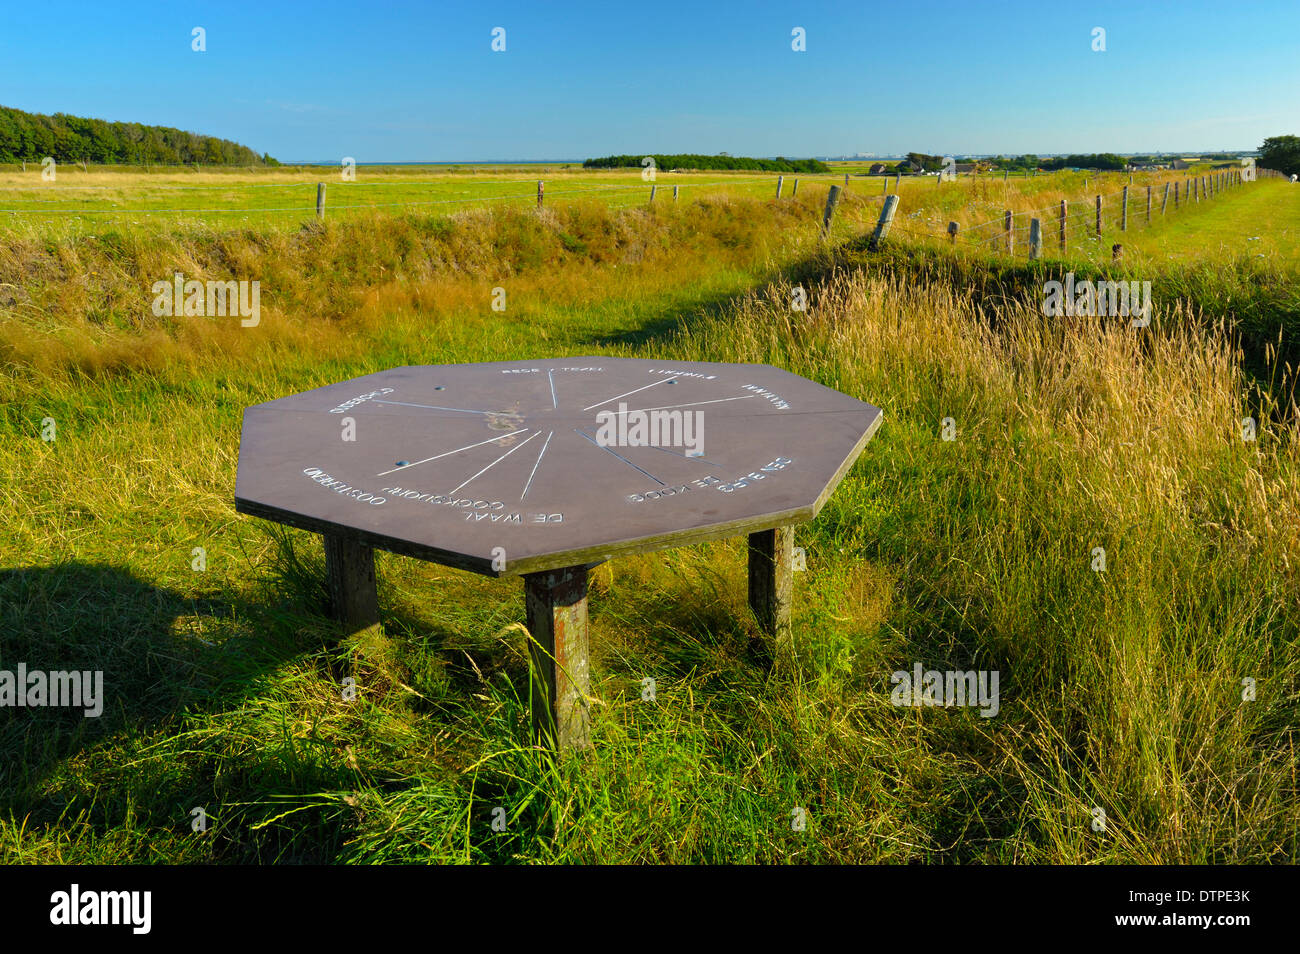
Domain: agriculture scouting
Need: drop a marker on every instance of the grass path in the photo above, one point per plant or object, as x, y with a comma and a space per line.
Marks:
1262, 220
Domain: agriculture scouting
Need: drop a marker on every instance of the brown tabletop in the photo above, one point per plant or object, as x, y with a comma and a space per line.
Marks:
517, 467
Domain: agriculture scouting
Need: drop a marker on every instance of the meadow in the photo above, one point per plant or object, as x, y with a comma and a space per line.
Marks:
1123, 691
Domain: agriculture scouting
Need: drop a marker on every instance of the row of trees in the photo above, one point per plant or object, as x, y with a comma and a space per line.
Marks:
1281, 153
32, 136
720, 161
1092, 160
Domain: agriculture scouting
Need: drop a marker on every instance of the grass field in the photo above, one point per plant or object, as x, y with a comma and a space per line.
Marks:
80, 201
1121, 691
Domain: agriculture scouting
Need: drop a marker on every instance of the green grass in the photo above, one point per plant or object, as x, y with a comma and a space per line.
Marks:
78, 202
1120, 690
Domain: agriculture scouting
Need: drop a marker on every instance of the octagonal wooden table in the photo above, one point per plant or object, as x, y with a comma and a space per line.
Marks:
544, 469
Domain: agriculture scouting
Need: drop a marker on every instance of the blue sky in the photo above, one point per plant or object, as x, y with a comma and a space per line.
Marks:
407, 81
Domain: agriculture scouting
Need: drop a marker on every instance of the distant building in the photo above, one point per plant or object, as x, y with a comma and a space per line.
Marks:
1181, 164
876, 169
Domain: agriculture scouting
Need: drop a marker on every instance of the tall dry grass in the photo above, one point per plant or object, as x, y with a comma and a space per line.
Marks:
1123, 689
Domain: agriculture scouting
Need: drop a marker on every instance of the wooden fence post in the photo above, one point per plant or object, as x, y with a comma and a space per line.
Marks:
320, 201
952, 233
780, 181
1099, 216
541, 189
1063, 216
846, 180
897, 178
1116, 252
674, 193
1175, 196
1148, 205
1164, 201
885, 221
1005, 173
794, 191
1035, 239
832, 200
1008, 222
1123, 214
884, 185
652, 192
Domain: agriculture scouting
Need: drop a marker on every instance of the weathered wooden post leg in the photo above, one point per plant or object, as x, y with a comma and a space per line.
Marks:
556, 602
771, 579
350, 572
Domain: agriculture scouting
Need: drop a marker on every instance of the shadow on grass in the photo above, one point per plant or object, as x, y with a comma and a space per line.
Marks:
163, 661
663, 323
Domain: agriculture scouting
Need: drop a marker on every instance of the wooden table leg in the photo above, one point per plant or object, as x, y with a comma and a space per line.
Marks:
350, 571
771, 579
556, 603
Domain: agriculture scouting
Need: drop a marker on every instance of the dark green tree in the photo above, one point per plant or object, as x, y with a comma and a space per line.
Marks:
1281, 153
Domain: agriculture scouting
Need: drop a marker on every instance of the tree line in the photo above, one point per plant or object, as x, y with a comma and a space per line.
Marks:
722, 161
1091, 160
33, 136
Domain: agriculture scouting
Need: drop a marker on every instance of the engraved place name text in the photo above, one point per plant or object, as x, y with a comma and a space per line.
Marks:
342, 487
781, 463
360, 399
773, 399
477, 510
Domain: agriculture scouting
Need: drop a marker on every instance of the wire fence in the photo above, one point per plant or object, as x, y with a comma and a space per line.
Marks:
1081, 226
16, 206
1085, 225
